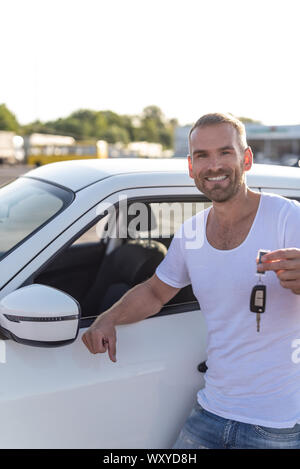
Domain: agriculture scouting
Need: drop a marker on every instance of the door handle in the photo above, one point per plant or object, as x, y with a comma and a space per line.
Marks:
202, 367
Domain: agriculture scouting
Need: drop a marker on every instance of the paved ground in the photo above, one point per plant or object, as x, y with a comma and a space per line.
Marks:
8, 173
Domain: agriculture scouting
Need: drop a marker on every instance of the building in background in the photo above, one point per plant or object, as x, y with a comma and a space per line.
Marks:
270, 144
275, 144
138, 150
181, 148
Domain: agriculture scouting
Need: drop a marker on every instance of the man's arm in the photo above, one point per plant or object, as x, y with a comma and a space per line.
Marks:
142, 301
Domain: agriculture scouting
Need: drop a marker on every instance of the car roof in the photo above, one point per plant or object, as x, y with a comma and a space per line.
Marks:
77, 174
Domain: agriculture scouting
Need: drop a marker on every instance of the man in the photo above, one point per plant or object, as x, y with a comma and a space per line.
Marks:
252, 394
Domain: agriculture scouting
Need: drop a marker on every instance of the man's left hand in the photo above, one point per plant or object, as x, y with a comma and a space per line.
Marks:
286, 264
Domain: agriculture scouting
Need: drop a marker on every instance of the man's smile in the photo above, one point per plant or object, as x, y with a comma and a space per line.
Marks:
217, 178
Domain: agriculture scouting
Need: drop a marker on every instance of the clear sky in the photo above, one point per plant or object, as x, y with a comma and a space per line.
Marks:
188, 57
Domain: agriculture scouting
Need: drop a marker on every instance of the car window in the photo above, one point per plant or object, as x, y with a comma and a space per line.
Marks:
26, 205
160, 219
96, 233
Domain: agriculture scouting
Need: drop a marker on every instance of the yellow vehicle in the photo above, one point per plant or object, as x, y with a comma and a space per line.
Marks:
43, 152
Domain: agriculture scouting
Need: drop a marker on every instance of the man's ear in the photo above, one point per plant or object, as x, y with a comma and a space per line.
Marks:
248, 159
190, 167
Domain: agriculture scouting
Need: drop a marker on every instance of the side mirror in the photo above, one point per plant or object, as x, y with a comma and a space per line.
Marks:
40, 316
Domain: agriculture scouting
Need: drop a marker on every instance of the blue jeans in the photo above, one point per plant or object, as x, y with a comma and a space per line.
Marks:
204, 430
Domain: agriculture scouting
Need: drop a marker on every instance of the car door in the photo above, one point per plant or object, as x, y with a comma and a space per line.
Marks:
67, 398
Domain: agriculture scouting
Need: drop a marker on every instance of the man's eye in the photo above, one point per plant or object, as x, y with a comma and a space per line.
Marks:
225, 152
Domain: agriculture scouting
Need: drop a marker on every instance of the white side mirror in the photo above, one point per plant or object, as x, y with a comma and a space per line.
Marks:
39, 315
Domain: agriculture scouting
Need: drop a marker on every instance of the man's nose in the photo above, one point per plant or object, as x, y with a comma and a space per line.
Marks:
214, 164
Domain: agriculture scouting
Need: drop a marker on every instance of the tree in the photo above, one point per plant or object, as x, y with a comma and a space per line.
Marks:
8, 120
33, 127
80, 124
115, 134
86, 124
153, 112
248, 120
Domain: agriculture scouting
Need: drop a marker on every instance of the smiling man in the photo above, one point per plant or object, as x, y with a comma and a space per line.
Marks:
251, 397
218, 162
218, 158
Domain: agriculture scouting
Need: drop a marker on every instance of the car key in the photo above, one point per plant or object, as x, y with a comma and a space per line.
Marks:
258, 302
260, 254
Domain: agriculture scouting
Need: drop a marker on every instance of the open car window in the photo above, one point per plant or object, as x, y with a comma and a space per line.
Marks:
160, 219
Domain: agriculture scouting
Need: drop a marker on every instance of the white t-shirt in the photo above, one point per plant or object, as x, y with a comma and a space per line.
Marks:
252, 377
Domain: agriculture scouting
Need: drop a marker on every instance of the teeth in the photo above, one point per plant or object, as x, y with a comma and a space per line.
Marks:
219, 178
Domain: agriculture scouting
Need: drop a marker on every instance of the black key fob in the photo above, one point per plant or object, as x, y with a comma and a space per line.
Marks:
258, 299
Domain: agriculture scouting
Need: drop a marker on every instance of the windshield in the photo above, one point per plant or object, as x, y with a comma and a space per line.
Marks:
26, 205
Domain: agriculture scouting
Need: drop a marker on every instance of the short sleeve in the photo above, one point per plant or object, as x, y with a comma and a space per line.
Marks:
172, 270
292, 226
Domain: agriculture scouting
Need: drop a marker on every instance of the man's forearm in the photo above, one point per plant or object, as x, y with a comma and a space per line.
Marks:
137, 304
142, 301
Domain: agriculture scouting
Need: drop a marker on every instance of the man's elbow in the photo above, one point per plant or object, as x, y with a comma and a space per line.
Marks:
161, 290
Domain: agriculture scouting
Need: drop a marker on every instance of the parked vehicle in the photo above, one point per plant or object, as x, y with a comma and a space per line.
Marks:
43, 149
68, 251
11, 147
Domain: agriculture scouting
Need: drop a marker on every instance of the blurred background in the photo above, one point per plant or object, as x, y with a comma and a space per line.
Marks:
128, 78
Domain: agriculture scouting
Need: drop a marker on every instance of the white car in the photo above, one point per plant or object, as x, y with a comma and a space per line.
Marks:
68, 251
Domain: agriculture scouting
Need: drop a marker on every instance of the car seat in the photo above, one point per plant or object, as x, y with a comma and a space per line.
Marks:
125, 267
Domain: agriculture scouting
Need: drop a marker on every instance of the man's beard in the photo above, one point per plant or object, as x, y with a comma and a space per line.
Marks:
218, 193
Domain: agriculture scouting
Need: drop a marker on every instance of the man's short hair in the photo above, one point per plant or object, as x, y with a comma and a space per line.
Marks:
219, 118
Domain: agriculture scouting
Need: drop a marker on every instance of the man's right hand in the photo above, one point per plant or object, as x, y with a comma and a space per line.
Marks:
100, 337
142, 301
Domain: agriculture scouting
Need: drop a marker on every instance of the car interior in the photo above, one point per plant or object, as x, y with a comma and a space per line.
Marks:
98, 272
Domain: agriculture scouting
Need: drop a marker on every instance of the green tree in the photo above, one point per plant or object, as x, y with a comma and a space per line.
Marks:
153, 112
86, 124
34, 127
127, 124
166, 138
80, 124
155, 127
8, 120
115, 134
68, 126
248, 120
100, 125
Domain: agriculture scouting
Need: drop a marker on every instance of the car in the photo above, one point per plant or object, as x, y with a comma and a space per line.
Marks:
74, 237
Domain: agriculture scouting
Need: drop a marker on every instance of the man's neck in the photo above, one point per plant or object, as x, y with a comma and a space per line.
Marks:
227, 214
